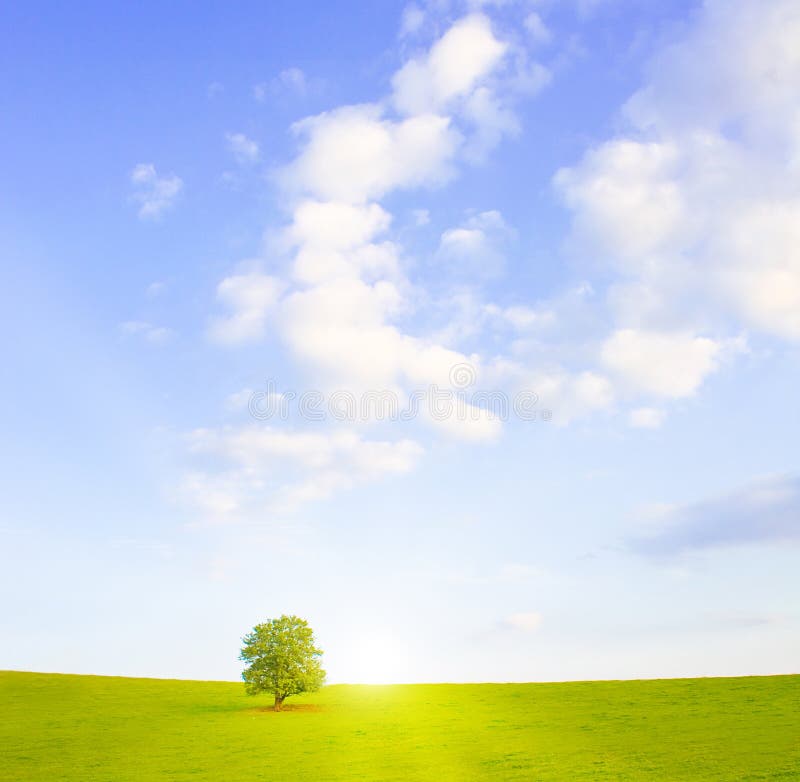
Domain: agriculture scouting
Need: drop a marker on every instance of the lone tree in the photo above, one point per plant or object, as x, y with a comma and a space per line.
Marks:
282, 659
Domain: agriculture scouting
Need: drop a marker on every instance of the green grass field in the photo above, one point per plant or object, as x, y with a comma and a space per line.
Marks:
57, 727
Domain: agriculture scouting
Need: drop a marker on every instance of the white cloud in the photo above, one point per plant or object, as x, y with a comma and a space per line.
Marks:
492, 120
462, 241
646, 417
590, 391
281, 470
693, 204
765, 511
216, 495
561, 394
694, 207
245, 150
468, 422
239, 400
344, 322
537, 29
250, 296
473, 77
554, 327
476, 245
259, 446
421, 216
412, 20
762, 274
292, 80
343, 329
694, 221
155, 334
619, 180
155, 289
739, 60
664, 364
455, 64
354, 154
155, 194
340, 322
337, 225
347, 293
524, 621
523, 318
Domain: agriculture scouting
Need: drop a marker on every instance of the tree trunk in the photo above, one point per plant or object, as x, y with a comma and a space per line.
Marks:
278, 702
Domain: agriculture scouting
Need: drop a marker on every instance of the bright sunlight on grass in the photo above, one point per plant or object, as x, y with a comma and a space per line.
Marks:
91, 728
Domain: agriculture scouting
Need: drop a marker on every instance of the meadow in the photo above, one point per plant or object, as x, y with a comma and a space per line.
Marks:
64, 727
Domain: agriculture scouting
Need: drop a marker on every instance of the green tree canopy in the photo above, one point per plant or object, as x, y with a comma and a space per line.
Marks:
282, 658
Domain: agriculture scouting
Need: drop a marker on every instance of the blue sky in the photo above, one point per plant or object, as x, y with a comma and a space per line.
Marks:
593, 201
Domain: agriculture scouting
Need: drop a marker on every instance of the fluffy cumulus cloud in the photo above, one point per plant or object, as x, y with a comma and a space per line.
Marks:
688, 215
621, 180
343, 313
662, 364
696, 205
453, 101
472, 74
154, 193
691, 212
344, 305
356, 153
335, 239
464, 56
250, 297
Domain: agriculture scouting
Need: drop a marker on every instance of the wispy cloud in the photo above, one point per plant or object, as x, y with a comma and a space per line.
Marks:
767, 511
476, 246
155, 289
149, 332
412, 20
259, 468
155, 194
244, 149
292, 80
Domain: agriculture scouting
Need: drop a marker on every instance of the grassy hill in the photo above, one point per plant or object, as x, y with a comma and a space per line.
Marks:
58, 727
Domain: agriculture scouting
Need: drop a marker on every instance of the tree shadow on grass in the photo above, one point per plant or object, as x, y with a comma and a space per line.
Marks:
287, 707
